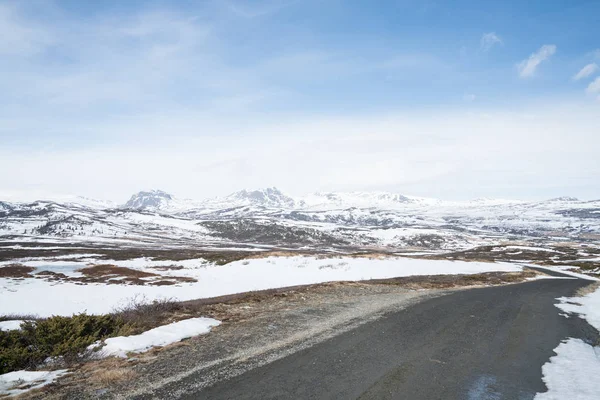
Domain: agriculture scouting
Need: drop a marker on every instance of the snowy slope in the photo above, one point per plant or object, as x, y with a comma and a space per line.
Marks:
322, 220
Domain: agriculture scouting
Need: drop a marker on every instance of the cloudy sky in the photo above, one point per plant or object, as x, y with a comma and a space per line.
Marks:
450, 99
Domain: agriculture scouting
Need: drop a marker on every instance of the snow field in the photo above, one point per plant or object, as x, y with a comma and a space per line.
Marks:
43, 298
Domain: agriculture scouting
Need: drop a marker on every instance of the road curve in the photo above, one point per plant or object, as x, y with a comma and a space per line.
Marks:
487, 343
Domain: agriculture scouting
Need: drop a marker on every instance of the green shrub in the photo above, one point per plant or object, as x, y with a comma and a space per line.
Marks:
66, 337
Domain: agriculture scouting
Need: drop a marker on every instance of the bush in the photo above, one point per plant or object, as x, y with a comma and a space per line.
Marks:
145, 314
21, 317
65, 337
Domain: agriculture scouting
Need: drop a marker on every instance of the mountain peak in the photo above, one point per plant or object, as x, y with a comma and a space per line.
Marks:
359, 199
152, 199
270, 197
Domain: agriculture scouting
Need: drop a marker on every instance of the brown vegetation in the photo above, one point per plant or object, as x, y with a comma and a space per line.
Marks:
144, 314
451, 281
168, 268
106, 377
105, 270
16, 271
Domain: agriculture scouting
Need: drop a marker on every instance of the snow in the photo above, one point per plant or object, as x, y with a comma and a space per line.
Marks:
538, 277
594, 259
587, 306
160, 336
44, 298
13, 325
530, 248
573, 373
564, 269
185, 224
18, 382
388, 235
480, 222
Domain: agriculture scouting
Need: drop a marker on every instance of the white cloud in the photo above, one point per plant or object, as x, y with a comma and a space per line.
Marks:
160, 59
594, 87
528, 67
18, 38
156, 95
469, 97
488, 40
586, 71
434, 153
156, 59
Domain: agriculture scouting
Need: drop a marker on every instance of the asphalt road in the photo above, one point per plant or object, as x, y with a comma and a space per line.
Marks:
484, 344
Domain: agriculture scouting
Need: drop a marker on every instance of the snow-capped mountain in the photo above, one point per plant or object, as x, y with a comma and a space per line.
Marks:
268, 217
363, 200
151, 200
269, 197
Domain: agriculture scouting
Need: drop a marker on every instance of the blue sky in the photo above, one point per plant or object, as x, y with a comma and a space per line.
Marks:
453, 99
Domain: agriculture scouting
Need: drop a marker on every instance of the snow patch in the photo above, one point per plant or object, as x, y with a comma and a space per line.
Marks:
161, 336
564, 269
14, 325
573, 373
18, 382
587, 306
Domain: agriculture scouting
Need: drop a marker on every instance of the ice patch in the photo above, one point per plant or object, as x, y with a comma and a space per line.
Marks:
485, 387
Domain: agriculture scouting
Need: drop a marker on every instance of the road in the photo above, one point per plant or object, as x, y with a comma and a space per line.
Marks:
484, 344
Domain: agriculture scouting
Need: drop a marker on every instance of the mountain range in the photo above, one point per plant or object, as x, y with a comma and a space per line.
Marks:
339, 221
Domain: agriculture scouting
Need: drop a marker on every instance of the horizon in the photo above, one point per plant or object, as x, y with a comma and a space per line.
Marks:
15, 197
204, 98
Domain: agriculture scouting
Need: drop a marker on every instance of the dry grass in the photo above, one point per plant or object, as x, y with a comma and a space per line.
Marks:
588, 289
451, 281
16, 271
277, 253
145, 314
108, 377
107, 270
107, 273
372, 255
168, 268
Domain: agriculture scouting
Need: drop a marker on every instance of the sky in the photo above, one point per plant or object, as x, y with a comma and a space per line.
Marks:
449, 99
